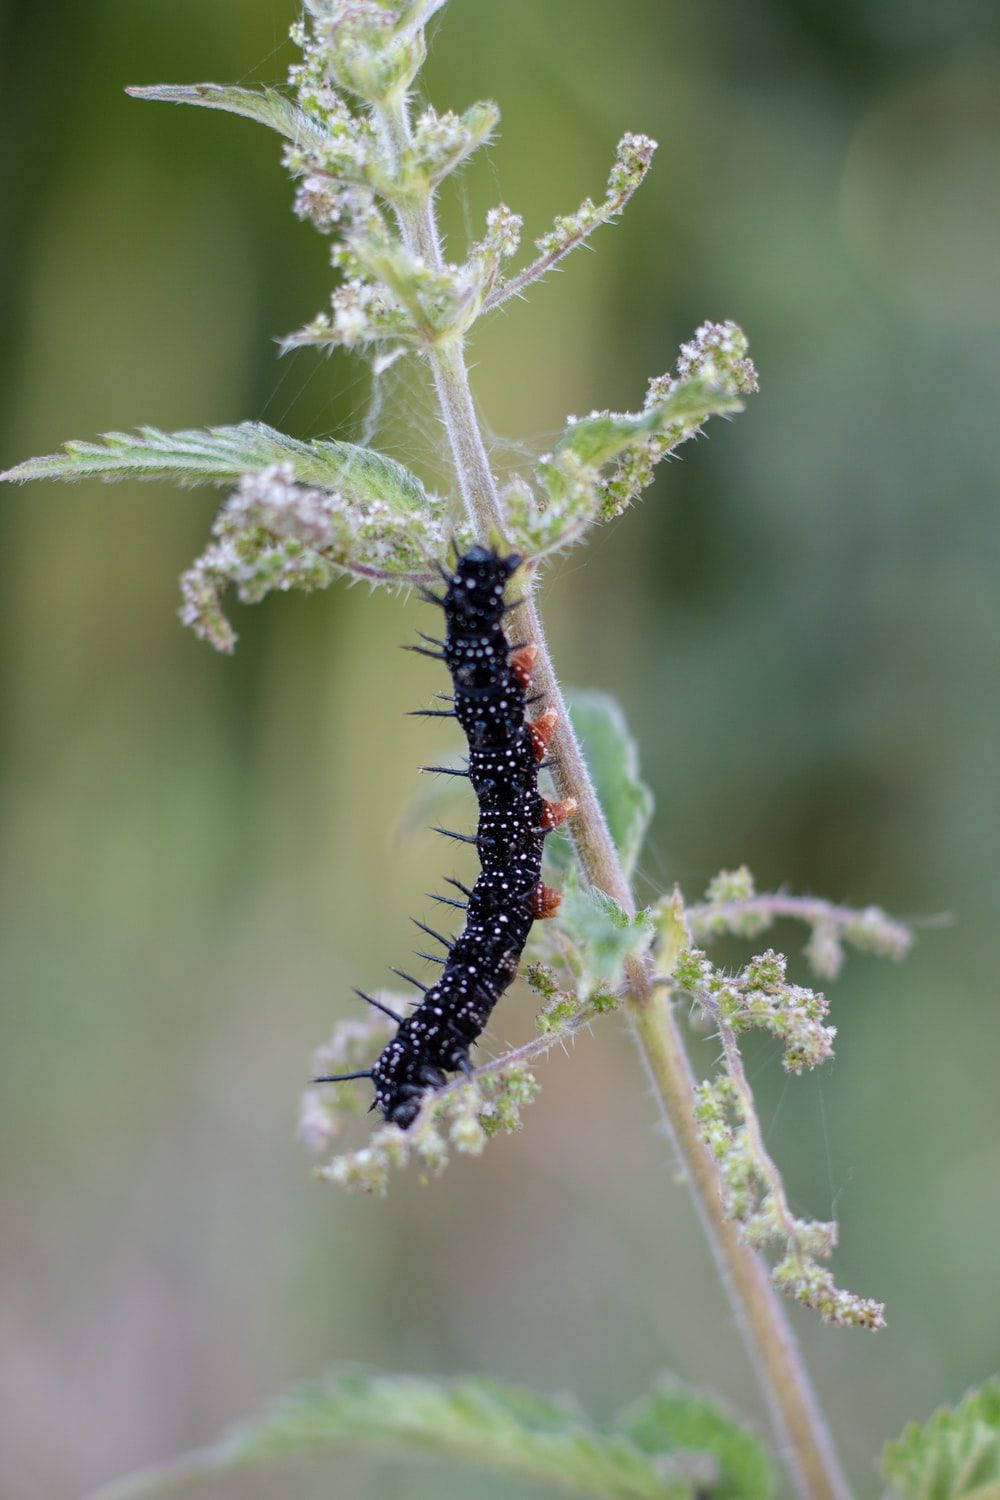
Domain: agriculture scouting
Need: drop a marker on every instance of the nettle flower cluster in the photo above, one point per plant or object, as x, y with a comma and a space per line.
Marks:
360, 164
760, 995
275, 534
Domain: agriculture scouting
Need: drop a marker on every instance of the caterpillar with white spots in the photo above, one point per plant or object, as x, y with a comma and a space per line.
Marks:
490, 680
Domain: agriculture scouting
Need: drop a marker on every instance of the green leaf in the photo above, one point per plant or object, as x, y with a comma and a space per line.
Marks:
603, 935
954, 1456
597, 440
678, 1418
220, 455
478, 1421
268, 106
613, 762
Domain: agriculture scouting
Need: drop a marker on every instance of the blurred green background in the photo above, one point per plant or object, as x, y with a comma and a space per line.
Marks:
199, 856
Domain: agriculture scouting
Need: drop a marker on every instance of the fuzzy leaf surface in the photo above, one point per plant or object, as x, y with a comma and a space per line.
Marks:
504, 1427
955, 1455
269, 107
674, 1417
221, 455
603, 936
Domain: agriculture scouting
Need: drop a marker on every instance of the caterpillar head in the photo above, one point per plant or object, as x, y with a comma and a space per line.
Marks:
476, 591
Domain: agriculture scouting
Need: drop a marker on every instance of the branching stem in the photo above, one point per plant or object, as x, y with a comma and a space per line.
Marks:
518, 284
803, 1438
751, 1124
894, 937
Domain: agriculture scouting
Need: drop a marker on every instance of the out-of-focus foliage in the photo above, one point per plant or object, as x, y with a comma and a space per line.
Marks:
800, 621
673, 1417
953, 1456
612, 758
674, 1445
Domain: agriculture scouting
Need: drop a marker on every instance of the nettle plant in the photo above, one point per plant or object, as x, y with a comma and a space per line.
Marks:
366, 170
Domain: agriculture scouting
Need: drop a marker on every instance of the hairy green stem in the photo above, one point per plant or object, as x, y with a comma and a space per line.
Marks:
803, 1438
475, 478
418, 227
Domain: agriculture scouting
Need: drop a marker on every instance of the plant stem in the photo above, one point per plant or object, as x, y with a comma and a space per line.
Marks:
803, 1438
418, 227
472, 467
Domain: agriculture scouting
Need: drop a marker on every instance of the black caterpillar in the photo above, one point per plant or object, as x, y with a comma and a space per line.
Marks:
490, 680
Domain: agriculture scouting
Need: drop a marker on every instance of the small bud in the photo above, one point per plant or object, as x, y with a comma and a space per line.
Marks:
731, 885
872, 931
562, 1008
718, 352
467, 1134
432, 1147
441, 142
503, 230
542, 979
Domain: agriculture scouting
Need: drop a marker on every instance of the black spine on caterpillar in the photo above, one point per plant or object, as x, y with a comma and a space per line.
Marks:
489, 679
